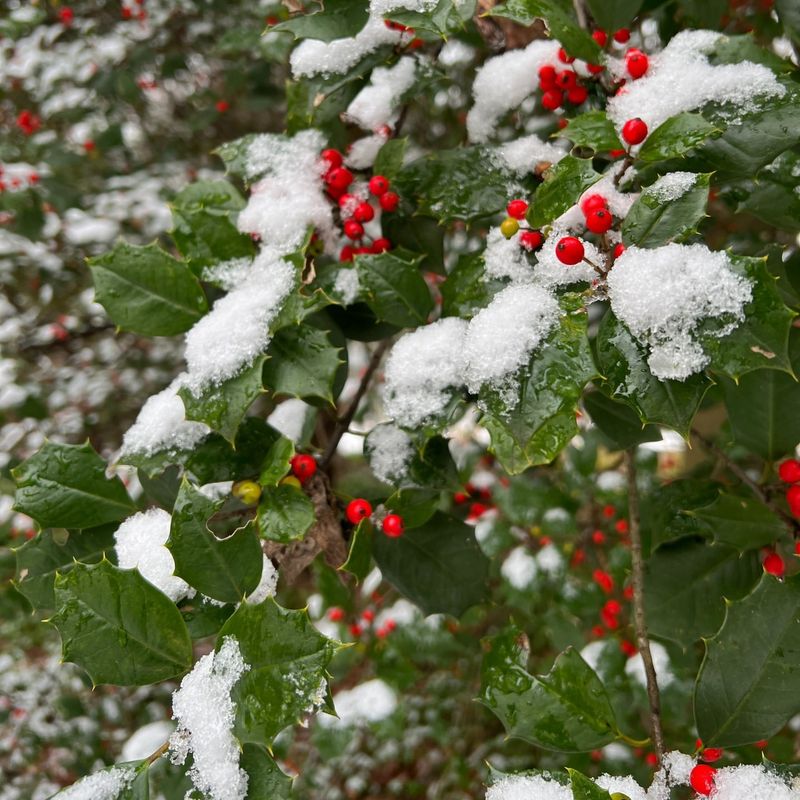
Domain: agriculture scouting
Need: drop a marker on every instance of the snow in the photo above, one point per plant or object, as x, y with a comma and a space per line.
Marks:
105, 785
634, 667
266, 586
162, 425
522, 155
371, 701
550, 272
289, 418
624, 784
502, 84
750, 781
228, 274
377, 103
528, 787
550, 561
146, 740
361, 154
680, 78
139, 542
347, 285
390, 452
501, 337
205, 713
693, 284
423, 369
671, 186
505, 258
519, 568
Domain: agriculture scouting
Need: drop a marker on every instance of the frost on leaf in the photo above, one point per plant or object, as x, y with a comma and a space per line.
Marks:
105, 785
672, 296
390, 451
522, 155
205, 714
377, 103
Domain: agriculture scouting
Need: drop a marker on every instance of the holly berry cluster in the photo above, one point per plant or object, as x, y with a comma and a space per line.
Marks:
789, 472
28, 122
359, 509
530, 239
17, 182
356, 207
364, 621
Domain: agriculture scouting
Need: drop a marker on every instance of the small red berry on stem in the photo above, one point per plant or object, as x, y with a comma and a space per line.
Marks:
393, 525
531, 240
346, 253
353, 229
773, 565
619, 249
793, 499
517, 209
547, 77
562, 56
222, 106
711, 754
789, 471
333, 157
364, 212
389, 201
339, 178
593, 202
577, 95
601, 37
357, 510
67, 16
599, 221
636, 62
569, 250
336, 614
634, 131
303, 466
381, 245
566, 79
595, 69
603, 580
622, 35
378, 185
702, 779
552, 99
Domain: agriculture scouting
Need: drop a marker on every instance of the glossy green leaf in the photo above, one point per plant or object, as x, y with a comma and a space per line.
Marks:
676, 137
277, 462
119, 627
389, 163
284, 513
415, 506
223, 406
438, 566
287, 656
618, 421
749, 682
65, 486
740, 522
789, 15
467, 289
225, 569
147, 291
593, 129
359, 555
423, 236
610, 15
444, 17
774, 197
687, 584
653, 221
265, 779
566, 710
563, 185
395, 289
584, 788
665, 510
336, 19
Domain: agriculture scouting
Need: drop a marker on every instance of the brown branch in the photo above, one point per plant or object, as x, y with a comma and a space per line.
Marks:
639, 620
154, 756
792, 524
343, 423
580, 13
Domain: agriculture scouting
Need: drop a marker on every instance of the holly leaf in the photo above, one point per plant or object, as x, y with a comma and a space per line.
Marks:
618, 421
665, 510
264, 777
288, 657
740, 522
225, 569
119, 627
610, 15
593, 129
284, 513
420, 235
567, 710
147, 291
584, 788
676, 137
774, 198
277, 462
389, 163
445, 16
464, 291
132, 775
748, 686
563, 185
438, 565
65, 486
336, 19
359, 557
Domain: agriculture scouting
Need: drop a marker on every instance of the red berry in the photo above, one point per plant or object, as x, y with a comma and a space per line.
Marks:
622, 35
364, 212
634, 131
348, 199
627, 592
599, 221
603, 580
789, 471
222, 106
517, 209
619, 249
303, 467
711, 754
569, 250
651, 759
599, 631
595, 69
593, 202
531, 240
566, 79
389, 201
381, 245
357, 510
609, 620
601, 37
355, 629
547, 77
612, 607
616, 153
562, 122
598, 537
562, 56
621, 527
609, 511
552, 99
459, 498
336, 614
577, 95
333, 157
88, 145
368, 615
346, 253
339, 178
761, 744
793, 499
393, 525
702, 779
628, 648
66, 15
378, 185
773, 565
636, 62
353, 229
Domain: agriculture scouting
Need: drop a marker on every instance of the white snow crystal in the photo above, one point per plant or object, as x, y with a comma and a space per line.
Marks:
228, 274
266, 586
634, 667
139, 542
347, 285
550, 272
505, 258
519, 568
528, 787
522, 155
105, 785
362, 152
503, 82
663, 295
624, 784
205, 714
377, 103
423, 369
671, 186
289, 418
550, 561
750, 781
371, 701
390, 451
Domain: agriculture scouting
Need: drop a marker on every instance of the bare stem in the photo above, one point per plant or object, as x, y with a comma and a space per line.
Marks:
580, 13
158, 753
639, 621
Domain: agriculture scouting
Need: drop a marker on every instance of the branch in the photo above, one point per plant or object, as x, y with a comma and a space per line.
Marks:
343, 423
154, 756
580, 13
792, 524
639, 621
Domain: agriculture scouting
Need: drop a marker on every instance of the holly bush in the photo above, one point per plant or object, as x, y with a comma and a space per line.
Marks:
438, 351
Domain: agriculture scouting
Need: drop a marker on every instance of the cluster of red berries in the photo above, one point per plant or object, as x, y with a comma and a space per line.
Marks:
28, 122
17, 182
789, 472
356, 210
560, 84
598, 219
131, 12
366, 619
479, 499
530, 239
360, 509
708, 754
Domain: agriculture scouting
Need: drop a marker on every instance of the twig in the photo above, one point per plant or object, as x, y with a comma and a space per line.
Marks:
158, 753
580, 13
792, 524
343, 423
639, 621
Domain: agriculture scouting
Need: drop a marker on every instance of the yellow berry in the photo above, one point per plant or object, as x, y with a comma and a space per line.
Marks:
508, 227
290, 480
247, 491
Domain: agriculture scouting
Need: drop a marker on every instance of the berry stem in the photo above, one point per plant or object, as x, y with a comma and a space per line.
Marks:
639, 620
156, 754
626, 165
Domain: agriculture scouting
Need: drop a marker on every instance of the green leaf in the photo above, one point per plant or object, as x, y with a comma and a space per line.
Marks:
740, 522
618, 421
749, 682
337, 19
623, 362
415, 506
225, 569
566, 710
789, 15
277, 462
137, 789
593, 129
464, 291
665, 510
287, 656
422, 236
389, 162
119, 627
223, 406
584, 788
284, 513
687, 584
265, 777
359, 557
561, 24
774, 197
445, 17
438, 566
302, 363
653, 221
395, 289
563, 184
677, 136
235, 155
65, 486
610, 15
147, 291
